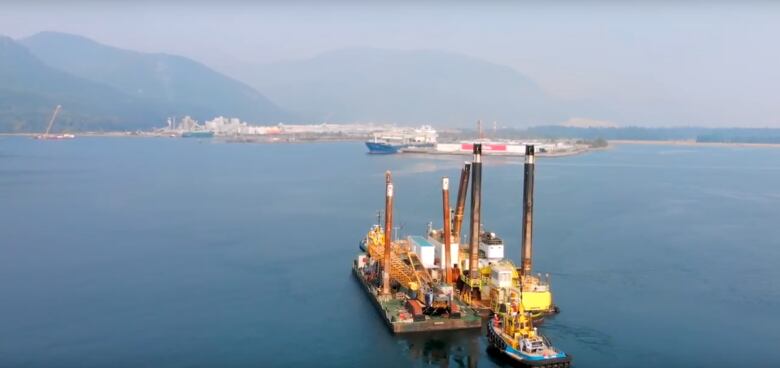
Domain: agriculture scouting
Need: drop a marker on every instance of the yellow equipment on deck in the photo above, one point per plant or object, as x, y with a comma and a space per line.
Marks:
511, 310
536, 295
405, 267
511, 331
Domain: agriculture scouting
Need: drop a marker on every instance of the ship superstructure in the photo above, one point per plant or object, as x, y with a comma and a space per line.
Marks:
392, 141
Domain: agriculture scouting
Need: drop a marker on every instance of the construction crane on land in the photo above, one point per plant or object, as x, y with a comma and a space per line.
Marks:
47, 134
51, 121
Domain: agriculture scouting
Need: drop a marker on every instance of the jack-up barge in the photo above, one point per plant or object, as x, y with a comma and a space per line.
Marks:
404, 292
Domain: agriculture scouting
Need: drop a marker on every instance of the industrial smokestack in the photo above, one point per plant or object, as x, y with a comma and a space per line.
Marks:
446, 233
388, 233
461, 204
528, 209
476, 203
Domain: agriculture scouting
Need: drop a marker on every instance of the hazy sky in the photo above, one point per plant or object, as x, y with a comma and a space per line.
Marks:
662, 64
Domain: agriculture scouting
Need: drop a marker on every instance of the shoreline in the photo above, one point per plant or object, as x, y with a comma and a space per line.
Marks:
219, 139
292, 139
578, 151
282, 139
690, 143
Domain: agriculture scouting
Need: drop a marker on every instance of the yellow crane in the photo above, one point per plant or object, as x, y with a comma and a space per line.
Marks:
405, 267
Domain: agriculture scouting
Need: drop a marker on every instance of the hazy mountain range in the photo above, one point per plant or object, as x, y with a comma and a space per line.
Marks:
29, 90
368, 84
106, 88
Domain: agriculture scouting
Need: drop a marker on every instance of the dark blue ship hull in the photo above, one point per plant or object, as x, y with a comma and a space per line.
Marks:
383, 148
198, 134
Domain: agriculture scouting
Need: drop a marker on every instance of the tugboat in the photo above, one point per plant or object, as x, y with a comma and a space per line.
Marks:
511, 332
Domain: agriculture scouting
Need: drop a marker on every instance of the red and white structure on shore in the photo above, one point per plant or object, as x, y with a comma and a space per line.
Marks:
500, 147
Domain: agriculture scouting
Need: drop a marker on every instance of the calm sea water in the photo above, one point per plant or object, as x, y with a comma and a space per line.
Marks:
175, 252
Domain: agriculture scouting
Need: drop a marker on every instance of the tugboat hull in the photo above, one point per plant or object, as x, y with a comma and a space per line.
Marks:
497, 344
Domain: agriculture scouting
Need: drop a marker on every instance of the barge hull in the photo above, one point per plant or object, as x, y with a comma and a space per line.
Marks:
469, 318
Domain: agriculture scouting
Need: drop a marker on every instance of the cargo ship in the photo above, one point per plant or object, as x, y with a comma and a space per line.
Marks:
395, 140
404, 285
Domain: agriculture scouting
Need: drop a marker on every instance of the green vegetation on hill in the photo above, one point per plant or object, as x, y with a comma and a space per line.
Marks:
621, 133
179, 85
595, 143
740, 136
29, 90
